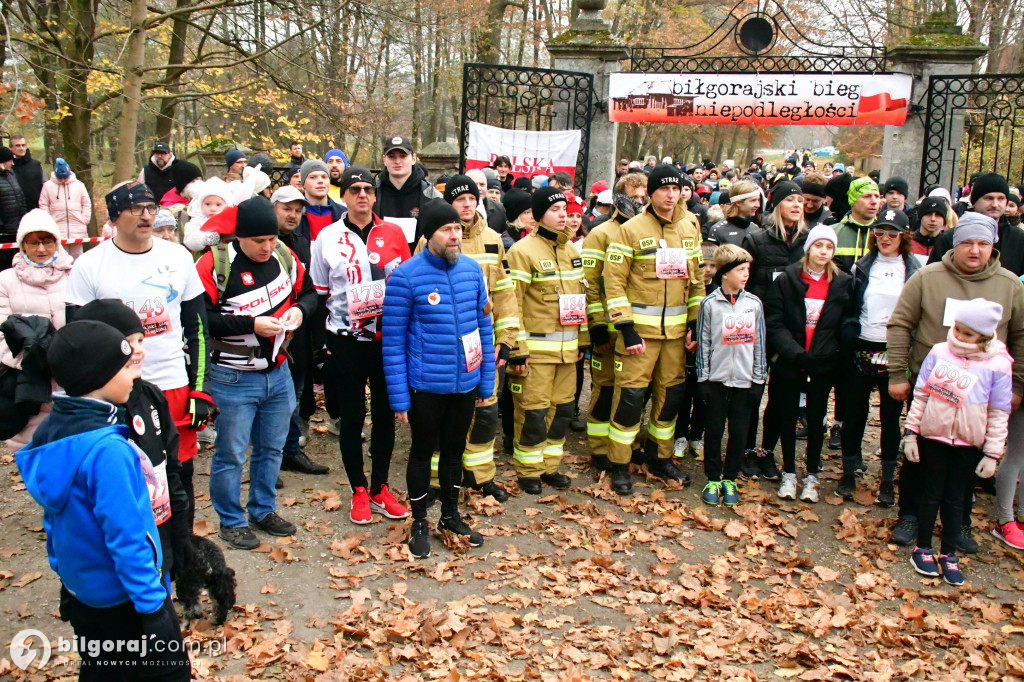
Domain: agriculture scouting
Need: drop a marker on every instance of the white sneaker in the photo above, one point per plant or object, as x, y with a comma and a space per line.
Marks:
787, 489
679, 449
697, 448
332, 426
810, 491
207, 436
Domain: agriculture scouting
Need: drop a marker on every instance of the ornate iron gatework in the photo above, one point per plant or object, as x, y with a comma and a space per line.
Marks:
992, 108
767, 41
521, 98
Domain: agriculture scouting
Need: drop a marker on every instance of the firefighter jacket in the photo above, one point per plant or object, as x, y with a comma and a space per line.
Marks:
548, 274
654, 274
595, 247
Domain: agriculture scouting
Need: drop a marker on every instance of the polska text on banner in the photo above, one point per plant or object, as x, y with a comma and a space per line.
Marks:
532, 152
768, 98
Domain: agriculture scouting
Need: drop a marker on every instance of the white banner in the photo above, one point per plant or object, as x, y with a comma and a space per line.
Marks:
763, 98
532, 152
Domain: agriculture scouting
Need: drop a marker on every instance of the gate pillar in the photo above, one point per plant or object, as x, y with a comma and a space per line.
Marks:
937, 47
589, 46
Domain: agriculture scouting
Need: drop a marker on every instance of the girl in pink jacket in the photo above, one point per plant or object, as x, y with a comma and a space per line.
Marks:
66, 199
956, 427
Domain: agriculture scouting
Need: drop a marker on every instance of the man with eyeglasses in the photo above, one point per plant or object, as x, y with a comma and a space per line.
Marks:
349, 263
158, 280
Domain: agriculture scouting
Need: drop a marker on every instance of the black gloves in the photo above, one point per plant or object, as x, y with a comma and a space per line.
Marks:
629, 335
504, 352
518, 362
181, 543
599, 335
201, 409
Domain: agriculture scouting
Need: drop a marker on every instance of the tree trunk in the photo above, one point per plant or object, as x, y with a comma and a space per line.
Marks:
131, 98
176, 55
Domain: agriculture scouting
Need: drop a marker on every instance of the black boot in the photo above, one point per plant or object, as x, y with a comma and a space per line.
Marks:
622, 483
600, 462
886, 495
847, 486
531, 486
558, 481
667, 469
494, 490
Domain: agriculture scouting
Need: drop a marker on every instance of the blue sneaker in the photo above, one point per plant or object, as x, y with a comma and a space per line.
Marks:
730, 495
923, 562
713, 493
951, 570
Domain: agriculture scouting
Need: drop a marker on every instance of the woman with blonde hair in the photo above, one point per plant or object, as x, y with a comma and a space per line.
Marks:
745, 199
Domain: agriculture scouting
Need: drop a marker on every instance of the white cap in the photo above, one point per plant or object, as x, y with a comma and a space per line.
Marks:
287, 193
605, 197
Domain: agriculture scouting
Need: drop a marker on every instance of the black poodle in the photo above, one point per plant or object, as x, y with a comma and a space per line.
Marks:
205, 567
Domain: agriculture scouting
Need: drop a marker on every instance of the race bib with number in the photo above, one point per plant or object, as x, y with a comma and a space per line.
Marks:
671, 263
813, 308
153, 314
473, 349
572, 308
950, 383
738, 329
365, 300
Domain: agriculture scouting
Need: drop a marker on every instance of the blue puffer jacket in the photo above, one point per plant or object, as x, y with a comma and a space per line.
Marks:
429, 306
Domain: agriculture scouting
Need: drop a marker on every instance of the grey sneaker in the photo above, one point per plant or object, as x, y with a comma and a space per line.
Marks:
275, 525
239, 538
810, 491
332, 427
208, 436
787, 489
679, 448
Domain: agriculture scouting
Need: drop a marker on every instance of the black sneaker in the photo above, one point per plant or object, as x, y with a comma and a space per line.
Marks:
494, 490
965, 543
905, 531
622, 482
847, 486
301, 463
666, 468
456, 525
749, 468
835, 437
419, 539
766, 462
860, 468
275, 525
239, 538
886, 495
557, 480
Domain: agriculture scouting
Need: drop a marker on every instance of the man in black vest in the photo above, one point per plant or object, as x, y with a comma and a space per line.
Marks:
157, 173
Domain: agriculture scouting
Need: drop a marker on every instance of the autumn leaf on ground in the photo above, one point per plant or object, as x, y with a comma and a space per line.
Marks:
269, 588
26, 579
282, 555
203, 528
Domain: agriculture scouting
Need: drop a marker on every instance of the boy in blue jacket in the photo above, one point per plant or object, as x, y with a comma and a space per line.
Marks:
101, 536
438, 362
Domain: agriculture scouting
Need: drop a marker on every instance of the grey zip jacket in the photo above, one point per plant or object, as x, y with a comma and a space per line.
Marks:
730, 340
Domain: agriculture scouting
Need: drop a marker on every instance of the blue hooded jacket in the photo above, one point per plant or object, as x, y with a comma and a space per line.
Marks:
100, 534
429, 306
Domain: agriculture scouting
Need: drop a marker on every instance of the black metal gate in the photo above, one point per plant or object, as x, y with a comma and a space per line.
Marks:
992, 138
520, 98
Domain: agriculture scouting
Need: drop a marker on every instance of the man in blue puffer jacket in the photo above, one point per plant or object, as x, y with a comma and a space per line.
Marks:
439, 363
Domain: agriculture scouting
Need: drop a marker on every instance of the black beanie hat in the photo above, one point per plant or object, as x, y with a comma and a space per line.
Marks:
459, 185
544, 198
688, 182
783, 189
184, 172
897, 183
808, 187
524, 184
662, 175
434, 215
988, 183
106, 349
515, 202
933, 205
256, 218
111, 311
6, 154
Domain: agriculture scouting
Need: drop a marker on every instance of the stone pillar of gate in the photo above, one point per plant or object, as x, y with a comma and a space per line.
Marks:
937, 47
589, 46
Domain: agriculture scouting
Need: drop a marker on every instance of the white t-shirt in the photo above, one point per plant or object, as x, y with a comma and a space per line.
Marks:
885, 282
153, 284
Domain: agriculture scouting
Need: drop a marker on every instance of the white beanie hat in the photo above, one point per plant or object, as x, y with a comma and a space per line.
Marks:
261, 180
821, 232
37, 220
981, 315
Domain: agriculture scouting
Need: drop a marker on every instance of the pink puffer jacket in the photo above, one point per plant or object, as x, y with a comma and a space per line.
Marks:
28, 290
69, 203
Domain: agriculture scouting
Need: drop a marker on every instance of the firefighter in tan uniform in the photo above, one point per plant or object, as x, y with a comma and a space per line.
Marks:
548, 275
483, 245
602, 332
654, 283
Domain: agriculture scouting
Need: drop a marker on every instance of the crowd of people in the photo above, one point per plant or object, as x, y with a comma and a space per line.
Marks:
470, 303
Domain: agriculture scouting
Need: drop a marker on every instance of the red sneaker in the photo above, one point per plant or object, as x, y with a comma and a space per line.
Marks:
385, 503
360, 507
1010, 533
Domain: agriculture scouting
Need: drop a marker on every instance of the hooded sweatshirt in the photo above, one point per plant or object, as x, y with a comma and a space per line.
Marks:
101, 538
404, 202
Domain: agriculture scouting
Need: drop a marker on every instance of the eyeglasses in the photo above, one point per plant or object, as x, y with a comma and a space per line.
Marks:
886, 233
354, 190
139, 209
44, 241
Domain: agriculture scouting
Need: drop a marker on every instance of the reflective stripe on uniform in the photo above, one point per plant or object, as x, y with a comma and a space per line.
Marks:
662, 432
621, 248
472, 459
485, 258
553, 451
505, 323
435, 461
623, 436
520, 275
528, 457
593, 253
555, 341
595, 307
651, 315
619, 302
598, 428
503, 283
